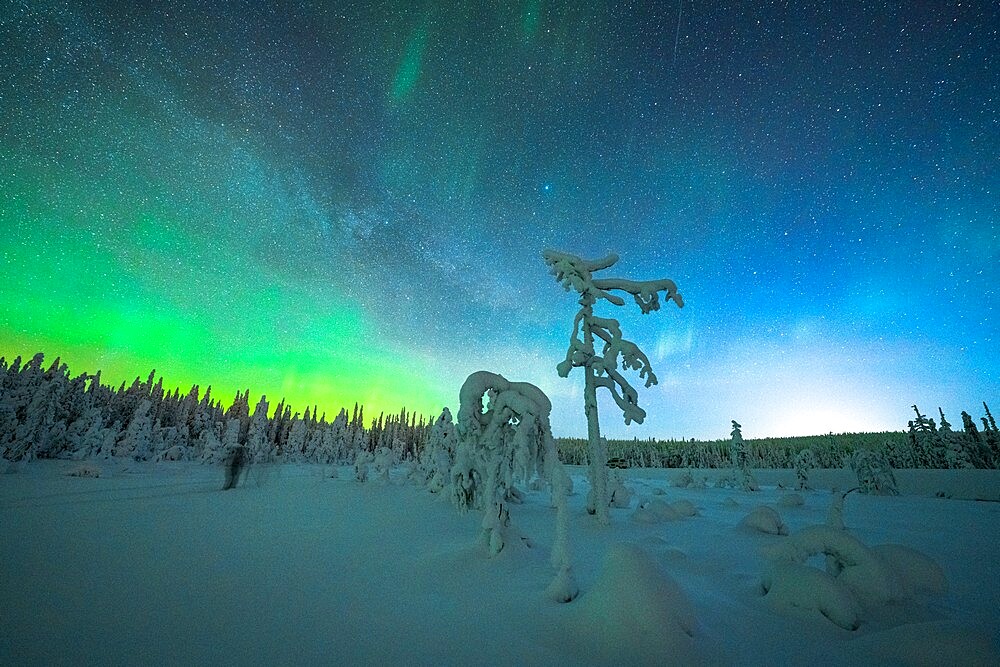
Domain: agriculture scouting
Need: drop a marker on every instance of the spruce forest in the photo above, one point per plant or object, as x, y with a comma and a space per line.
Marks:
46, 413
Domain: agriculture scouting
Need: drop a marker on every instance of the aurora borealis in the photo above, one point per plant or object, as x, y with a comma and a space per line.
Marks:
338, 201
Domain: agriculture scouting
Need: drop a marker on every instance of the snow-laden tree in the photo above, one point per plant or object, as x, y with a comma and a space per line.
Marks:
602, 369
259, 447
137, 441
509, 441
874, 474
438, 455
292, 452
805, 461
741, 463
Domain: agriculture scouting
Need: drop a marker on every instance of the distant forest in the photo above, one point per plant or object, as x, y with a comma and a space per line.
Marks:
47, 413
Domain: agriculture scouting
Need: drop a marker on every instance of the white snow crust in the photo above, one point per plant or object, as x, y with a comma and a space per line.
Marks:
151, 563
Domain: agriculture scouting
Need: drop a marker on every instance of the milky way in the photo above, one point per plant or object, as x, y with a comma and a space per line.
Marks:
340, 202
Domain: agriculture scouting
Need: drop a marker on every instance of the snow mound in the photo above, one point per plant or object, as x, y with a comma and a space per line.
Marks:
657, 511
563, 587
929, 645
791, 586
636, 614
916, 572
765, 520
654, 511
791, 500
850, 561
684, 508
619, 495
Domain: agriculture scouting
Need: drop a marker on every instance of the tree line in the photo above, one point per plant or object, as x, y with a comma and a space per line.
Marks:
925, 444
47, 413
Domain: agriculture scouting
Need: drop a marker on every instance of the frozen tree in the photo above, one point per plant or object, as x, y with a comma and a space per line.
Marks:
259, 448
953, 445
923, 432
332, 444
805, 461
137, 441
292, 451
741, 464
602, 369
874, 474
508, 441
361, 462
210, 442
439, 454
385, 459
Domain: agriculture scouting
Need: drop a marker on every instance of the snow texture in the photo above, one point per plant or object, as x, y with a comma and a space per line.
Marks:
151, 564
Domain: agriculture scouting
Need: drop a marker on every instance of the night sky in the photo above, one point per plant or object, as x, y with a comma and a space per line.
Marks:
348, 201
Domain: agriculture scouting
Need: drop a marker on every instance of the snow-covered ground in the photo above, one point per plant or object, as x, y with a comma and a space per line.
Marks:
153, 564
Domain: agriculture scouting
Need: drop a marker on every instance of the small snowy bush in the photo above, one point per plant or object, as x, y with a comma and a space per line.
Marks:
85, 470
791, 500
361, 463
618, 494
790, 586
684, 508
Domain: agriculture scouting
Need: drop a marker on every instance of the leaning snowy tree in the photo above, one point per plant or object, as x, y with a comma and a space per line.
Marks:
602, 370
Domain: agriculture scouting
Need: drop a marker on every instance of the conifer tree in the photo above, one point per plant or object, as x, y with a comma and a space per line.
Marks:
602, 369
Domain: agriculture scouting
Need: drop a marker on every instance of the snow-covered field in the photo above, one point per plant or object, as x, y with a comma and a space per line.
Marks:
153, 564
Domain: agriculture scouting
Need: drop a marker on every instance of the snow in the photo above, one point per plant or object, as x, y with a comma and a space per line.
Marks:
151, 563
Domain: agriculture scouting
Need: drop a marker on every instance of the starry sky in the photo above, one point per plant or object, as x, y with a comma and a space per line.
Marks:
347, 201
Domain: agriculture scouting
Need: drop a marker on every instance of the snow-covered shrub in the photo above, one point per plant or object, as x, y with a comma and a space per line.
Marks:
765, 520
382, 463
657, 510
362, 461
874, 474
805, 461
619, 495
791, 500
175, 453
684, 480
794, 586
727, 481
684, 508
852, 563
85, 470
